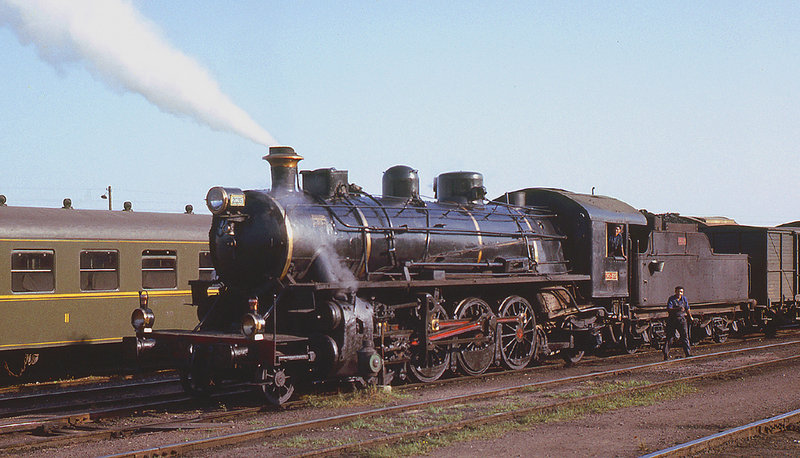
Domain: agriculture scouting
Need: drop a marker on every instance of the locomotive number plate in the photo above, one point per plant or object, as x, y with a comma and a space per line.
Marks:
237, 200
612, 276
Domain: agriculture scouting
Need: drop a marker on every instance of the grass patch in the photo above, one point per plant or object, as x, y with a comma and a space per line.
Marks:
435, 410
426, 445
509, 404
260, 422
391, 424
593, 388
359, 423
302, 442
407, 422
613, 403
369, 396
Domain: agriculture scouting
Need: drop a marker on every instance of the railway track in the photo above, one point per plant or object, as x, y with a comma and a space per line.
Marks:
80, 418
496, 417
594, 361
49, 410
476, 400
766, 426
82, 426
517, 410
97, 395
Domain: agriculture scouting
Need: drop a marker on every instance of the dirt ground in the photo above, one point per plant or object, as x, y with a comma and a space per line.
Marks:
634, 431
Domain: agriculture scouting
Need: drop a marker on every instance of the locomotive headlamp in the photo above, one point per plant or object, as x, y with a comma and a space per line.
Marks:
253, 326
142, 319
220, 199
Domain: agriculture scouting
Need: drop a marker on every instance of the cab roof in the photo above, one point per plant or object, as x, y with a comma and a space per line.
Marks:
595, 207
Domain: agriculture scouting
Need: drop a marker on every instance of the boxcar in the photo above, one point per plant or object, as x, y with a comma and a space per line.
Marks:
774, 260
67, 277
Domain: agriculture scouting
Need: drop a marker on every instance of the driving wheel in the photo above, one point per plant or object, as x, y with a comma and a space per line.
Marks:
571, 355
476, 357
517, 339
629, 343
429, 366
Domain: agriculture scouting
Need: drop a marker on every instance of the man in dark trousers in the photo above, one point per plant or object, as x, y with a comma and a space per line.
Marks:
678, 308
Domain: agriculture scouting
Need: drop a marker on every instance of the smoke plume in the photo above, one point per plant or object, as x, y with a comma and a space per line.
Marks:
120, 46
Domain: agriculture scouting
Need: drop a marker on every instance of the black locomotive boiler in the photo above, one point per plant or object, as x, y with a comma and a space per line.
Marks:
330, 282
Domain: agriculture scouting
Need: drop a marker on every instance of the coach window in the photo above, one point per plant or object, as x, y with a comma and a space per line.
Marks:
159, 269
99, 270
32, 271
207, 272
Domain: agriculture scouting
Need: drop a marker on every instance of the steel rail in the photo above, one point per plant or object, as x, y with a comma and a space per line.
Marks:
766, 426
258, 434
54, 424
29, 423
87, 380
81, 403
7, 402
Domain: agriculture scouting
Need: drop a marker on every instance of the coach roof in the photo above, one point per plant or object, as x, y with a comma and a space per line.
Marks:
64, 224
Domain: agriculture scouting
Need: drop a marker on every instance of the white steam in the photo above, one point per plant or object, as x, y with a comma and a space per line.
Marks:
127, 51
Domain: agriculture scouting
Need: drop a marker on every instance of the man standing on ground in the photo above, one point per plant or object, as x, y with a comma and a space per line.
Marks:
678, 308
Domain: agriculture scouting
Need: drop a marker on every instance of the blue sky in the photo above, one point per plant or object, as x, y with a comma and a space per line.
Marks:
691, 107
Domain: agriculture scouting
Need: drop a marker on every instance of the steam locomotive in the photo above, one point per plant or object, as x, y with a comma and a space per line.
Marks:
331, 282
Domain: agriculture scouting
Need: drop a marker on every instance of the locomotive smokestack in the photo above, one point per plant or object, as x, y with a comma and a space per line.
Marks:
283, 167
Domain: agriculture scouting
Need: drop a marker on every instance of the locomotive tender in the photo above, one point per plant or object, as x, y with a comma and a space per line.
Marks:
330, 282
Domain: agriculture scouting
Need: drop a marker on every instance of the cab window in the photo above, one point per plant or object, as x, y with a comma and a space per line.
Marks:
33, 271
159, 269
615, 236
99, 270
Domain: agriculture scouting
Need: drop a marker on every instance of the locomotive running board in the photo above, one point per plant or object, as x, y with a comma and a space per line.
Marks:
457, 281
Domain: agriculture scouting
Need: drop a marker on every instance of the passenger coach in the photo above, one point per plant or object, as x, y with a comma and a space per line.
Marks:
67, 277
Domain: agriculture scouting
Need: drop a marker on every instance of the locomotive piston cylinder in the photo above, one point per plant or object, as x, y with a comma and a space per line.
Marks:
225, 356
329, 316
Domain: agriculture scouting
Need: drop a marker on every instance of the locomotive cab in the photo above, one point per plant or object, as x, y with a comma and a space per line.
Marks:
590, 223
